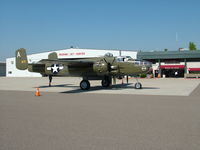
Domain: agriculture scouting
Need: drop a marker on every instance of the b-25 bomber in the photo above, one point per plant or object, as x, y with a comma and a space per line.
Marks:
103, 68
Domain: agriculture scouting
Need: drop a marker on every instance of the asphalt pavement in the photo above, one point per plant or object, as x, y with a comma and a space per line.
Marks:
89, 121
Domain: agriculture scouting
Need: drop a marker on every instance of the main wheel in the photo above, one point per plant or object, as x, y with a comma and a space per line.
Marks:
138, 85
85, 85
105, 83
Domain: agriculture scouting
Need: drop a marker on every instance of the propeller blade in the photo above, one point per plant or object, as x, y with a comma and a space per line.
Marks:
105, 60
113, 60
110, 67
108, 64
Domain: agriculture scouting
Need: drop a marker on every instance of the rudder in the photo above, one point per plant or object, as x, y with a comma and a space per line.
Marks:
21, 59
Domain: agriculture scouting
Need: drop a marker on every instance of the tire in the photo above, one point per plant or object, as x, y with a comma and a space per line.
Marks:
138, 85
105, 83
84, 84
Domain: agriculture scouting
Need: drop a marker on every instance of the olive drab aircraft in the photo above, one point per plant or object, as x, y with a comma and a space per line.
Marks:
103, 68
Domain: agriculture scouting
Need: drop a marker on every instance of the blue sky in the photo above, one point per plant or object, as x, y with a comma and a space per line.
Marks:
42, 25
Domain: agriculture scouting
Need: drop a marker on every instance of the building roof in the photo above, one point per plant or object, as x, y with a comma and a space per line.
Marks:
168, 55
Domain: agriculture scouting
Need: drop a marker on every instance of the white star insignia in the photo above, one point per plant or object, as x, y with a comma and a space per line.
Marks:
55, 68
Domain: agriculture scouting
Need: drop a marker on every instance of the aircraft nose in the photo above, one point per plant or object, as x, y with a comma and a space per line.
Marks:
147, 66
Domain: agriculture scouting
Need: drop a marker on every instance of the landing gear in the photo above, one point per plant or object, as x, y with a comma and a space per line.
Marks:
50, 80
106, 82
114, 80
138, 85
85, 85
127, 79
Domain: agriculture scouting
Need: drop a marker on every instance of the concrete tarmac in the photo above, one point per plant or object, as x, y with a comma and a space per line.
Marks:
82, 121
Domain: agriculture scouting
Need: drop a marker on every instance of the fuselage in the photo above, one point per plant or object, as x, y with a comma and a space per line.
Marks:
95, 67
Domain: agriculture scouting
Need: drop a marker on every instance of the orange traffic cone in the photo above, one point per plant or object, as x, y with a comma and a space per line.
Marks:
37, 93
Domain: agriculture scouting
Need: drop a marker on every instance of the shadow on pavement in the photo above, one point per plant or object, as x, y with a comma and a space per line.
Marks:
60, 85
113, 87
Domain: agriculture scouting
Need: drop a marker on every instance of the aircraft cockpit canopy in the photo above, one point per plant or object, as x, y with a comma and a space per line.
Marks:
108, 55
120, 59
142, 62
124, 58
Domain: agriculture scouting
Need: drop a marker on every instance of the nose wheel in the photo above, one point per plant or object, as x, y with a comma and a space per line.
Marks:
84, 84
138, 85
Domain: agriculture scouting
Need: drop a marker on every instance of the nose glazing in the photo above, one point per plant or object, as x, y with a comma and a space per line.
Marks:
147, 65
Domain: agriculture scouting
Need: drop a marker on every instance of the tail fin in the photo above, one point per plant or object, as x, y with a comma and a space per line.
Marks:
21, 59
53, 56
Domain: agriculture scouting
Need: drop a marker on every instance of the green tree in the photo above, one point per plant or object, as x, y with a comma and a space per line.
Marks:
192, 46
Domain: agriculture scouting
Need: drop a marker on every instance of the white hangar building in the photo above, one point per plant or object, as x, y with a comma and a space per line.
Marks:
12, 71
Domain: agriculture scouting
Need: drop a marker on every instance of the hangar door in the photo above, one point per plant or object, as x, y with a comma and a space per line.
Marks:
172, 71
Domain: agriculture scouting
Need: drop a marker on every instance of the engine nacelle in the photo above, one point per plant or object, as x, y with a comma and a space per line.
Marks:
100, 67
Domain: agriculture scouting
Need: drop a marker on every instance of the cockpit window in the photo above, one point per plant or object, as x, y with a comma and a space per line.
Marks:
108, 55
120, 59
142, 62
124, 58
137, 62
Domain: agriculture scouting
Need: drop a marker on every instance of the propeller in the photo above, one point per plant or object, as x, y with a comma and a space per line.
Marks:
110, 64
111, 67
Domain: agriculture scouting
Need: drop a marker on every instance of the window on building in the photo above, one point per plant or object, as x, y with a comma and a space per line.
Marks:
12, 62
9, 72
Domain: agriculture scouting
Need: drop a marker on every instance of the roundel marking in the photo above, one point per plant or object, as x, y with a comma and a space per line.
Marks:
144, 68
55, 68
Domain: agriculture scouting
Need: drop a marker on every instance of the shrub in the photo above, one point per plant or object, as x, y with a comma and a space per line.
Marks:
143, 75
